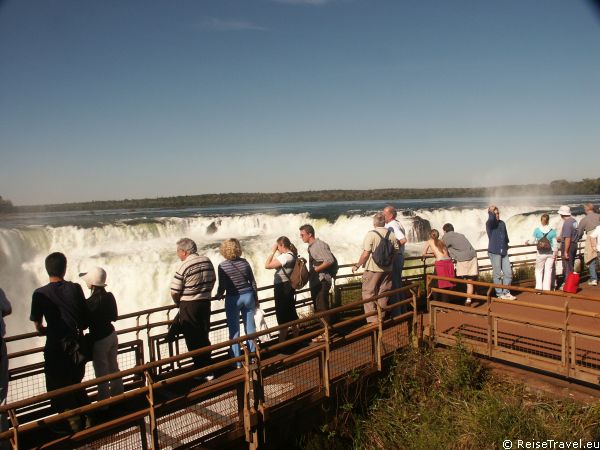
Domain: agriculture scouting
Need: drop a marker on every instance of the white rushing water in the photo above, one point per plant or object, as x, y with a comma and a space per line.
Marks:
139, 256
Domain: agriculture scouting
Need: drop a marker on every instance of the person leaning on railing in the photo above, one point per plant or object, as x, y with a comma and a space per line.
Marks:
283, 292
444, 266
461, 251
62, 304
190, 290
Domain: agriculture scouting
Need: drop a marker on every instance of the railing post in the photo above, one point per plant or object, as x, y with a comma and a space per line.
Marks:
259, 390
416, 339
250, 415
13, 418
326, 356
425, 280
379, 341
153, 426
489, 321
566, 341
428, 291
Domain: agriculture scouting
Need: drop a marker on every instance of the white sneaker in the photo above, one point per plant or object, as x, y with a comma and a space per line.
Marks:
593, 283
468, 302
508, 296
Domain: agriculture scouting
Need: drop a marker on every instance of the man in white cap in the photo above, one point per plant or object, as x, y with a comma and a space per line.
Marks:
568, 240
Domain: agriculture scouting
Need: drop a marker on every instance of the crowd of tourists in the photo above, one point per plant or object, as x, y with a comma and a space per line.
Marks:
60, 311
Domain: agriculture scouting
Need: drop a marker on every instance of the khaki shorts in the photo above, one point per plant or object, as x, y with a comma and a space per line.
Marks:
467, 268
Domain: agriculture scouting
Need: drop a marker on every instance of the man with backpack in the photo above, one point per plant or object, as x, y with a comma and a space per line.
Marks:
379, 249
322, 267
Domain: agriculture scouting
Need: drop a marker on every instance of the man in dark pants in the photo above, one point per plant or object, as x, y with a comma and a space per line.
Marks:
62, 304
191, 289
321, 260
568, 241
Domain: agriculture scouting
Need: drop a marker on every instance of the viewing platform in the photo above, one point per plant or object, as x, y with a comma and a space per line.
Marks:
167, 405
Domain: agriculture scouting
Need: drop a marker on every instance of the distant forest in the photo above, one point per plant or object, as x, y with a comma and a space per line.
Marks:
558, 187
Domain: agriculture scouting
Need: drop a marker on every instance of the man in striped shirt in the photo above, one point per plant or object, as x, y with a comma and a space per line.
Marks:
191, 288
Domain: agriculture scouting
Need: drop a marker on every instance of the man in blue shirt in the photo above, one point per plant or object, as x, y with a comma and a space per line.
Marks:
498, 252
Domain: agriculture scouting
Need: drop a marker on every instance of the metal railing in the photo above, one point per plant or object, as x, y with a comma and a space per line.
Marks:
174, 411
142, 334
142, 338
560, 336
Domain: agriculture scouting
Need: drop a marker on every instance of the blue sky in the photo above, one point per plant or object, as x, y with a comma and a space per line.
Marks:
130, 99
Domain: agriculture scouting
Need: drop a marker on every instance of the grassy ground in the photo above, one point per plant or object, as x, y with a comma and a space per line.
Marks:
449, 400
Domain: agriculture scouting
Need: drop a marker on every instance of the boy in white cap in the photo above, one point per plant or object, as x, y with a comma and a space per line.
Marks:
103, 311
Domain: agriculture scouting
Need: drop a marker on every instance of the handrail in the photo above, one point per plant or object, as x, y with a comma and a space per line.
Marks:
154, 364
503, 286
422, 265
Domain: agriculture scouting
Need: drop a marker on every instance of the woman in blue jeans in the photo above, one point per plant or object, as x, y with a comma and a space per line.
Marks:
236, 281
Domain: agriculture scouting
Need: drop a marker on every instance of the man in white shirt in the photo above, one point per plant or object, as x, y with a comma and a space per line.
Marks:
391, 223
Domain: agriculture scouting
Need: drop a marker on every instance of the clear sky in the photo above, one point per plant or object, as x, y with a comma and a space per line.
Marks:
135, 98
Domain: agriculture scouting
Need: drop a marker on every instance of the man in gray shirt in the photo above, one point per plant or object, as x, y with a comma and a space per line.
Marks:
461, 250
587, 225
321, 261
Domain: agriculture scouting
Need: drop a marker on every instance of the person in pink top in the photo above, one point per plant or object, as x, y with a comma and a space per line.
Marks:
444, 267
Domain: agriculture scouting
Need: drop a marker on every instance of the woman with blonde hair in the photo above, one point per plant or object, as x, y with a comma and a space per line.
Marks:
285, 305
237, 282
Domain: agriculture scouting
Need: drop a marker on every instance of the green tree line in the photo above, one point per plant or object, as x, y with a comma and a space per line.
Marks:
558, 187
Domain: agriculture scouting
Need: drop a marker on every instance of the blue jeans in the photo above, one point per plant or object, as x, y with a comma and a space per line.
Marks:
246, 305
501, 272
593, 268
397, 268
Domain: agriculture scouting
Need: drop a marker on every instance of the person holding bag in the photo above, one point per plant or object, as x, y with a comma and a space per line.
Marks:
237, 282
284, 293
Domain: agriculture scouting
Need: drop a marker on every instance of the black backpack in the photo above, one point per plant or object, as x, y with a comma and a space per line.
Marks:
543, 245
333, 268
383, 254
